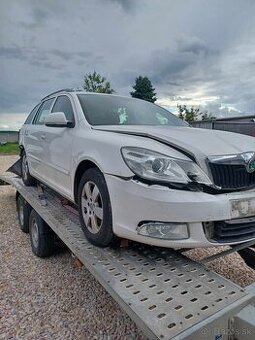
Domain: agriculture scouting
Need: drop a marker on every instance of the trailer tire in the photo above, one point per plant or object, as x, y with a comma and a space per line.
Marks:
27, 179
97, 230
23, 210
41, 236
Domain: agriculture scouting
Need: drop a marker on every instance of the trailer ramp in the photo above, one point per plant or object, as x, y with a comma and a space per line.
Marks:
165, 293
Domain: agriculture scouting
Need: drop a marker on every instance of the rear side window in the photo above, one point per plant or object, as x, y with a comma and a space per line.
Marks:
63, 104
43, 111
31, 115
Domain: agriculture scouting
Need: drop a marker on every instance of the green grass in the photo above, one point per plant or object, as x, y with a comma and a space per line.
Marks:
10, 148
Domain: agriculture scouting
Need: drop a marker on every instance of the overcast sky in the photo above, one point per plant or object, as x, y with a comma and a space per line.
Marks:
196, 52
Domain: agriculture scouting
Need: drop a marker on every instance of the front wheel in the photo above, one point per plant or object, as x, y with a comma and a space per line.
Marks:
28, 180
95, 208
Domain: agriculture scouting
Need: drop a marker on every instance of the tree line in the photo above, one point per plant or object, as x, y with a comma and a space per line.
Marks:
142, 89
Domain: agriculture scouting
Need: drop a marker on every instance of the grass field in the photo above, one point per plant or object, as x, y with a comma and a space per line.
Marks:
9, 148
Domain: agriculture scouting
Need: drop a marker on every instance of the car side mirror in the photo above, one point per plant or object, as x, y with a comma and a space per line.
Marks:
58, 119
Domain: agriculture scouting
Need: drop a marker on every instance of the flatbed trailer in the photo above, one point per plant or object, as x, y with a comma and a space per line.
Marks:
166, 294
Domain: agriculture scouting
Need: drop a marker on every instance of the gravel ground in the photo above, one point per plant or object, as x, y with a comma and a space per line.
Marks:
52, 299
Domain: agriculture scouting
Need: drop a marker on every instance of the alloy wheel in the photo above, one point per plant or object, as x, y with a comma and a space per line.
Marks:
92, 207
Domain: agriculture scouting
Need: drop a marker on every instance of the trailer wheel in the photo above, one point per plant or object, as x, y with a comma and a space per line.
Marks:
23, 210
95, 208
28, 180
41, 236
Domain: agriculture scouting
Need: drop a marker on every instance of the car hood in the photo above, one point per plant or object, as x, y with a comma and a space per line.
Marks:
196, 143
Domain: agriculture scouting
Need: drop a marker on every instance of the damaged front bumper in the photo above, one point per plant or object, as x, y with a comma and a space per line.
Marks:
206, 216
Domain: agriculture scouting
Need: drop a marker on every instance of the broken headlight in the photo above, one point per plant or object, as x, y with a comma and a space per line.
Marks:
152, 165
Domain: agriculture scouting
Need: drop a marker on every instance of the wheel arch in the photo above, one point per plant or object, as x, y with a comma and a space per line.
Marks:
81, 168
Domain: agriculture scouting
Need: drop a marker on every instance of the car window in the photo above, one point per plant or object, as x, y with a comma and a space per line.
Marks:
31, 115
63, 104
43, 111
115, 110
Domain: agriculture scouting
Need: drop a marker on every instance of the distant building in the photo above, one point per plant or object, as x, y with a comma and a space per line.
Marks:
240, 124
9, 136
245, 119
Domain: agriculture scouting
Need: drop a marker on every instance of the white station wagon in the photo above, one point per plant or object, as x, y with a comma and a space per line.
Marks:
138, 172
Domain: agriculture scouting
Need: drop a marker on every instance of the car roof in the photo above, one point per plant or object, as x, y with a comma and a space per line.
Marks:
67, 90
79, 91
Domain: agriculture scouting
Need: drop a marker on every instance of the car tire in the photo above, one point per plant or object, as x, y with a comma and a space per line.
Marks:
41, 236
23, 210
28, 180
95, 208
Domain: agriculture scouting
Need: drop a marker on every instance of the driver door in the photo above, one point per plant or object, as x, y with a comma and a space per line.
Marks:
58, 149
34, 141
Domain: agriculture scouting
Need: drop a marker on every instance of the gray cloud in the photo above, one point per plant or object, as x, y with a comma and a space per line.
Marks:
11, 52
39, 14
47, 65
127, 5
62, 54
189, 61
194, 52
194, 45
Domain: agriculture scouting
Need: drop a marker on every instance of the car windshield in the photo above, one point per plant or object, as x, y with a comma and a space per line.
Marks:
115, 110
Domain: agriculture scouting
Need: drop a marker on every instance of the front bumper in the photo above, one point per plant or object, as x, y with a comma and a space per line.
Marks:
133, 202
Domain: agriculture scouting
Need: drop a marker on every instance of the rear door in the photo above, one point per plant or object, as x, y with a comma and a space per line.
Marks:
26, 127
35, 137
58, 149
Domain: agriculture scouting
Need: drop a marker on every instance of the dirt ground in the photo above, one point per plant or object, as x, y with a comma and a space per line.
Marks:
52, 299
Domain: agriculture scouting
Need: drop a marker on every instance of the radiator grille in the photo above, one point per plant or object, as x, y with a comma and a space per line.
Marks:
232, 176
226, 232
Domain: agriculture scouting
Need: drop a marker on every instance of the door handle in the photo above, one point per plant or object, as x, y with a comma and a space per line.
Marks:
26, 133
43, 137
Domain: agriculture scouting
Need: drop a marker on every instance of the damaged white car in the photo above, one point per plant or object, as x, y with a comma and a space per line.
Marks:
138, 172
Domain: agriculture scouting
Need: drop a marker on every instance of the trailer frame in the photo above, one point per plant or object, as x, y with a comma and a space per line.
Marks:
166, 294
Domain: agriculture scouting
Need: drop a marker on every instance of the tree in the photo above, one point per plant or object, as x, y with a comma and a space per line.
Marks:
94, 82
143, 89
193, 114
207, 116
189, 115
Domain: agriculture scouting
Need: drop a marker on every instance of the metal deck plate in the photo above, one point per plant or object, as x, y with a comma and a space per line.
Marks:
164, 292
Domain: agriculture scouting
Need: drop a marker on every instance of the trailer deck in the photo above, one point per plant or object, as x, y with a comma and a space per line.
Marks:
165, 293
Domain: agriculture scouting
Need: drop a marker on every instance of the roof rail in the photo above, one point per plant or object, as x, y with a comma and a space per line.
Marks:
62, 90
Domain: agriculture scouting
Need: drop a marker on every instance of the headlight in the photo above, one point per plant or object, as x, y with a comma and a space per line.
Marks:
152, 165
